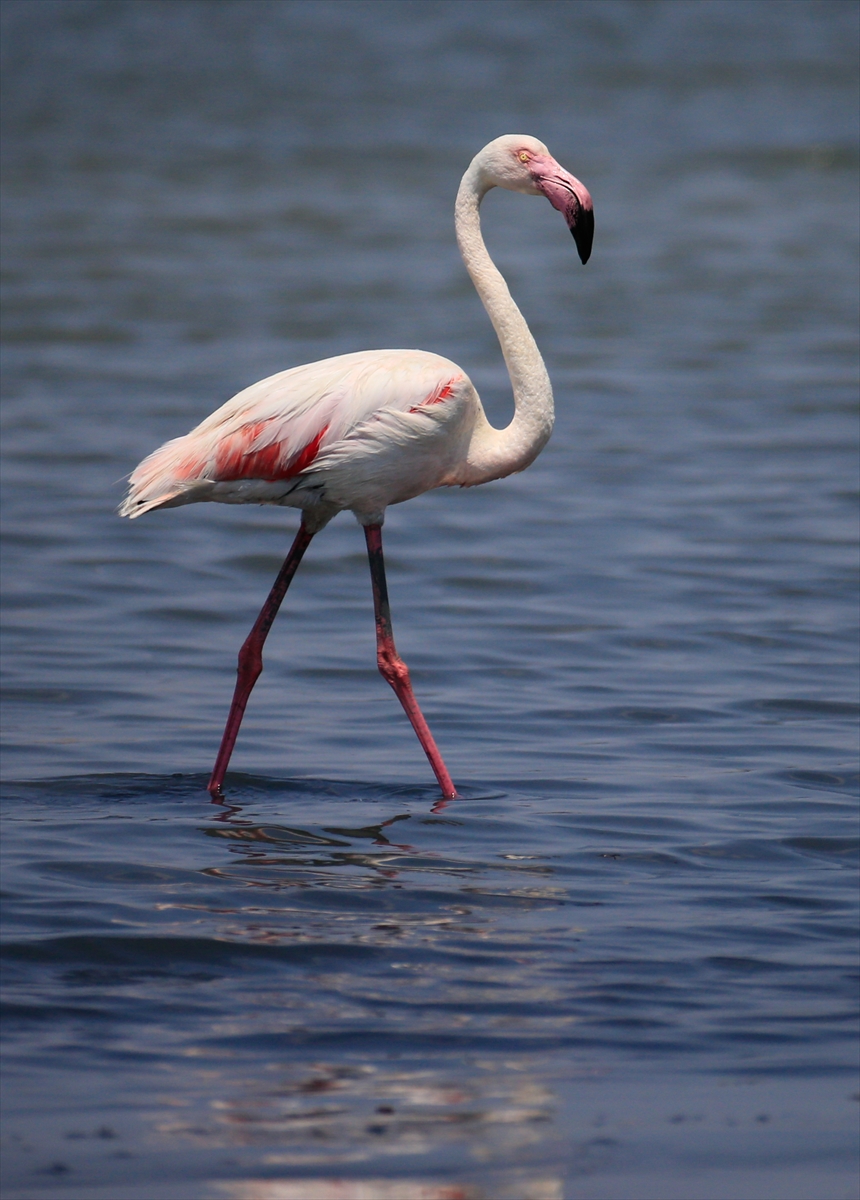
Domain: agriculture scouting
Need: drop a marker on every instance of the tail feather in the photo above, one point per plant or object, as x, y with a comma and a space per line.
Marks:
160, 480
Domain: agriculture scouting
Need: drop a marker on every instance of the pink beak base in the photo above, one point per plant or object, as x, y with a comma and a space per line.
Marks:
570, 197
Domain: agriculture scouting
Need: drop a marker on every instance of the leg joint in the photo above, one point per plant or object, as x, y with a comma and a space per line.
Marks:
250, 665
392, 668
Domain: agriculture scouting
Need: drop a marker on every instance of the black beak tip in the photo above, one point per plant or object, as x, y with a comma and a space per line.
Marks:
583, 234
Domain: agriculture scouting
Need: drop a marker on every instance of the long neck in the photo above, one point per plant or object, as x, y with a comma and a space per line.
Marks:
494, 453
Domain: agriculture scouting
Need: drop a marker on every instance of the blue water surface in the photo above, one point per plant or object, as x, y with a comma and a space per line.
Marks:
624, 964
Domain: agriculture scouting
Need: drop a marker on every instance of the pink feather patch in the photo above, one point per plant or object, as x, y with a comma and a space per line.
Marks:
437, 396
235, 461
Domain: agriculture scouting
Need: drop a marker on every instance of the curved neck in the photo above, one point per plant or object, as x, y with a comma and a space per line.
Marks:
494, 453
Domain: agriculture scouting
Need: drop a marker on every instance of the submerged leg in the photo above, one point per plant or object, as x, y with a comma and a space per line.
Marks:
393, 668
251, 657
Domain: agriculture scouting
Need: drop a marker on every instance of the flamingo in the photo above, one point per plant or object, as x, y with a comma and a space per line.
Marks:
362, 431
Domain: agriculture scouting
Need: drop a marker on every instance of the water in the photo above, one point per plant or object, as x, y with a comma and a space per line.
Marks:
624, 965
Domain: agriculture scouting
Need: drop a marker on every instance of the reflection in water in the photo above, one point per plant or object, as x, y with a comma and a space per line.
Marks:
300, 996
329, 1114
323, 856
389, 1189
302, 1111
346, 1113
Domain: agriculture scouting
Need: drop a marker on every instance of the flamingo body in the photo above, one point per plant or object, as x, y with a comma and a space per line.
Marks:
359, 432
366, 430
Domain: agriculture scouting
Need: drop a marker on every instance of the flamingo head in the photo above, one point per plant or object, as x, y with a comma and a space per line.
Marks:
523, 164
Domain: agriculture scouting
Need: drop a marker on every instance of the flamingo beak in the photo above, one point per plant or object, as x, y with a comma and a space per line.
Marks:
570, 197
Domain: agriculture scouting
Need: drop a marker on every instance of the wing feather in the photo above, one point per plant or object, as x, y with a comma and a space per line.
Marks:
280, 426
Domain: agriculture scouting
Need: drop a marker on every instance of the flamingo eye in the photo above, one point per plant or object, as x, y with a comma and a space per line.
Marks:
523, 156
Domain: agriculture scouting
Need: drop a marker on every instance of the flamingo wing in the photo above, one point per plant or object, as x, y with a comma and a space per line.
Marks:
275, 429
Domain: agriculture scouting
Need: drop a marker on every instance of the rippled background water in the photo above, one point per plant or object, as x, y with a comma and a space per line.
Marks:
624, 965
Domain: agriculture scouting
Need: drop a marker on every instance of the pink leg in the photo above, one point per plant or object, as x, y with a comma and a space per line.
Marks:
251, 657
392, 666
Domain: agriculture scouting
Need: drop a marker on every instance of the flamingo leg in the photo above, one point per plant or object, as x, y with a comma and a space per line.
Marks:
251, 657
391, 665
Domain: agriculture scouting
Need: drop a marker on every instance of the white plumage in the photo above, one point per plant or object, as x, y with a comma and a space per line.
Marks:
359, 431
